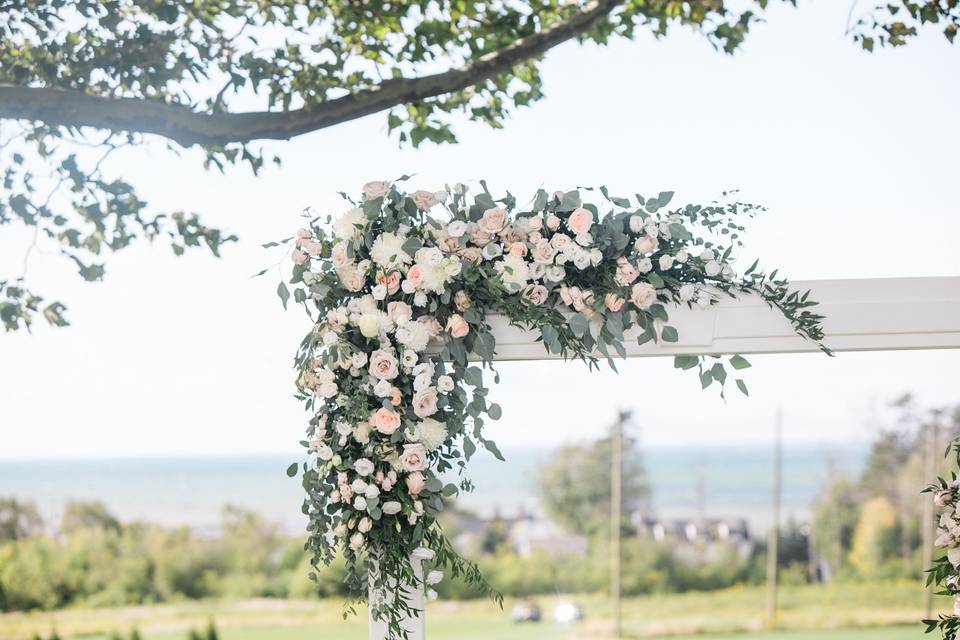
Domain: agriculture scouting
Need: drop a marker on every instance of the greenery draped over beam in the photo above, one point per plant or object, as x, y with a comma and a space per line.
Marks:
81, 79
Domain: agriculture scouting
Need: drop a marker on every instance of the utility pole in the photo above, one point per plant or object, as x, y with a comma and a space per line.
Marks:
616, 514
774, 535
927, 522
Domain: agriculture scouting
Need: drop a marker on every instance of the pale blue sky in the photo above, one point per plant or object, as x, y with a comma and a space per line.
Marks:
854, 154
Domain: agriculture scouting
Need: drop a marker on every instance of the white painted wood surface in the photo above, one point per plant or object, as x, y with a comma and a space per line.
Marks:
860, 315
415, 627
881, 314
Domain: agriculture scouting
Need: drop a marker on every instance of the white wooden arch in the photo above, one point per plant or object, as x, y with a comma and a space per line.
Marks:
877, 314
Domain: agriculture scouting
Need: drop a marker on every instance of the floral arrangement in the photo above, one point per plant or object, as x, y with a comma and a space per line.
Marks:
399, 289
945, 572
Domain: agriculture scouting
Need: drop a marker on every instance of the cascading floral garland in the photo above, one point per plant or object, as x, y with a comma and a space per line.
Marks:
945, 572
400, 288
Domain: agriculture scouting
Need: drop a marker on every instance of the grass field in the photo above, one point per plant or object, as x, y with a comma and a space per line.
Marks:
888, 611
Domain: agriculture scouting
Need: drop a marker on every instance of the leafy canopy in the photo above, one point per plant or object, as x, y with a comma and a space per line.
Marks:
80, 79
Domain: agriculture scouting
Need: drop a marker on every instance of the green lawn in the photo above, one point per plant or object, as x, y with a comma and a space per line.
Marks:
884, 611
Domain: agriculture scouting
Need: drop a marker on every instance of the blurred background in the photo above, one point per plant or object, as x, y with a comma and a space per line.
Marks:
143, 448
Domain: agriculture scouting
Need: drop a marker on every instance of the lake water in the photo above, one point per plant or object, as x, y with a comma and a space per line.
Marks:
689, 481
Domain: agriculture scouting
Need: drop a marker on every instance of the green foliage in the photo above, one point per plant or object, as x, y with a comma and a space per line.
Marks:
577, 496
183, 67
18, 519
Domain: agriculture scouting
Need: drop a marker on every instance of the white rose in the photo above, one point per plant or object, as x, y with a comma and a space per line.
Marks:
457, 228
391, 508
363, 466
555, 273
636, 223
358, 485
360, 503
365, 525
434, 577
682, 256
712, 268
644, 265
445, 384
382, 389
343, 427
707, 255
359, 359
324, 452
687, 292
665, 262
371, 492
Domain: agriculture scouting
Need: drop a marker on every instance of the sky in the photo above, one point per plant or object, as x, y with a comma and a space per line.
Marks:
854, 154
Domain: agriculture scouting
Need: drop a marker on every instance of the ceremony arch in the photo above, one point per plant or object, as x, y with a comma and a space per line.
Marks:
407, 300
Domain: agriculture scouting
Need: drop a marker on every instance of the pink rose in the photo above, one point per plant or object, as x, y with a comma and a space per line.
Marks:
396, 397
480, 237
471, 255
433, 327
424, 402
391, 280
338, 255
535, 223
385, 421
560, 240
518, 249
535, 294
457, 326
299, 257
543, 253
376, 189
312, 247
553, 222
303, 234
414, 457
383, 365
646, 244
424, 200
399, 312
493, 220
415, 275
626, 272
416, 483
580, 221
613, 302
643, 295
461, 300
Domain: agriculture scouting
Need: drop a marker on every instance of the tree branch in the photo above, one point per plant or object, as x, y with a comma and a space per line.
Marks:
187, 127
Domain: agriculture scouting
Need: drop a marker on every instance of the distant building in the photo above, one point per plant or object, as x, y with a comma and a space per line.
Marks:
703, 532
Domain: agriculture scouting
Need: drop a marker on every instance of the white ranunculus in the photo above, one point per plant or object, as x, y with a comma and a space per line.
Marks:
682, 256
369, 324
350, 224
665, 262
391, 508
644, 265
409, 358
363, 466
445, 384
